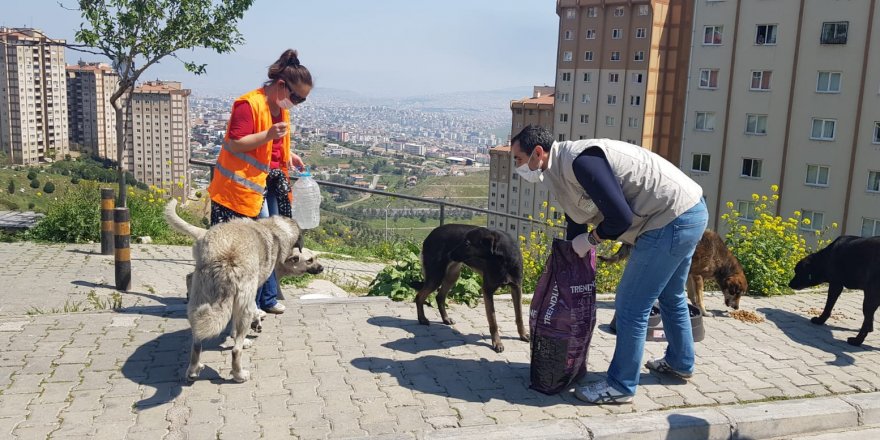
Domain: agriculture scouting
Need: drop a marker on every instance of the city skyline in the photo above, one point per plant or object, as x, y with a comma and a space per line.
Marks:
358, 46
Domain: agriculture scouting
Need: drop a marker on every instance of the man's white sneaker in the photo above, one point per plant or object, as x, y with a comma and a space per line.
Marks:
277, 309
601, 393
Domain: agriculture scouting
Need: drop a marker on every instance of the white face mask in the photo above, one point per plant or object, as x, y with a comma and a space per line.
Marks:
285, 103
530, 175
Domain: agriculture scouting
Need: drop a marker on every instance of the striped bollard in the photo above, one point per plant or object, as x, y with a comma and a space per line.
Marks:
107, 197
123, 249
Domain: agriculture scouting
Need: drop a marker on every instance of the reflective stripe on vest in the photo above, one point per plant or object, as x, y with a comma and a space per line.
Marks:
252, 161
239, 180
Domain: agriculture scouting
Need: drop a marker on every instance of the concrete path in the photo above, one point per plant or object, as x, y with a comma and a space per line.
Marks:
362, 367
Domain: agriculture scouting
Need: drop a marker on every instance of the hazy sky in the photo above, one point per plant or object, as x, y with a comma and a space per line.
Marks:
384, 48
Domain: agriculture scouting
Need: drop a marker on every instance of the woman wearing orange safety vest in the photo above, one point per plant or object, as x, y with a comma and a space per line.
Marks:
251, 178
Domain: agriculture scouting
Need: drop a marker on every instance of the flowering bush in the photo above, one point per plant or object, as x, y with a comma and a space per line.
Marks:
770, 246
536, 248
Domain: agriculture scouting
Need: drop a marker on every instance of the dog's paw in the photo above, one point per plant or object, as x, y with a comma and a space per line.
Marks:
855, 341
192, 374
524, 338
242, 376
707, 313
499, 347
424, 321
448, 321
247, 343
817, 320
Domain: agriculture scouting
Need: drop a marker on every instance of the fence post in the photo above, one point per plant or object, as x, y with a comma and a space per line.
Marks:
107, 202
123, 249
442, 213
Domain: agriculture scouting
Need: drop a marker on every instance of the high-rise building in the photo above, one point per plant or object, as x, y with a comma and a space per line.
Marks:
33, 96
786, 93
621, 71
92, 119
507, 192
157, 136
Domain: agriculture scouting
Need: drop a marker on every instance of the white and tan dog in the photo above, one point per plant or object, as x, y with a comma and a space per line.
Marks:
232, 260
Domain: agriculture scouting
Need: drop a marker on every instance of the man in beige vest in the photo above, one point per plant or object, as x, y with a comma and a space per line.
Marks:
639, 198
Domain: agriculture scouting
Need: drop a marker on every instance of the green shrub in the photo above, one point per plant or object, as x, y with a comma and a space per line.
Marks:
49, 188
65, 172
769, 246
74, 180
31, 205
11, 188
395, 280
73, 218
31, 175
9, 204
35, 183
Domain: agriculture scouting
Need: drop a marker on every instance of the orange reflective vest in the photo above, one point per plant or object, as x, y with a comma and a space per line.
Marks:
240, 178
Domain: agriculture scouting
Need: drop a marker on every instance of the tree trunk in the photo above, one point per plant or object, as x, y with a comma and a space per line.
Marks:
121, 201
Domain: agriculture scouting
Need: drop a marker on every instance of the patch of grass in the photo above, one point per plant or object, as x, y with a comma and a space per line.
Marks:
94, 303
300, 282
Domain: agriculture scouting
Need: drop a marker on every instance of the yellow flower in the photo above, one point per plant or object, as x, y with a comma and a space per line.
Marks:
797, 214
522, 238
544, 205
833, 225
39, 194
774, 187
755, 197
552, 209
807, 221
775, 196
729, 205
763, 198
541, 215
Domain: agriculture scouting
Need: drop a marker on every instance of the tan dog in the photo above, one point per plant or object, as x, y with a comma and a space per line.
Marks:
713, 259
232, 260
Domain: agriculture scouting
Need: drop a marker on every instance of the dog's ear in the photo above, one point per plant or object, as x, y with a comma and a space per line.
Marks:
491, 242
299, 241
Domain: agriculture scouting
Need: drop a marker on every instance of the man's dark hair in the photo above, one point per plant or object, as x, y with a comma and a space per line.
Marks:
532, 136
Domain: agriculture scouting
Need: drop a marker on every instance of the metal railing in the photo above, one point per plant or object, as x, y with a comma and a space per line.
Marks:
442, 203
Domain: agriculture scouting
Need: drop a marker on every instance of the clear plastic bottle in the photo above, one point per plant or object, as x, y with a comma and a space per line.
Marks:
306, 208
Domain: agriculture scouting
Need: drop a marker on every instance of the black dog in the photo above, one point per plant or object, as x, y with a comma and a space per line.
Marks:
848, 262
492, 254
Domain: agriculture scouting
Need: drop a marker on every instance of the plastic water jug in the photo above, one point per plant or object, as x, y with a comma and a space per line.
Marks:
306, 209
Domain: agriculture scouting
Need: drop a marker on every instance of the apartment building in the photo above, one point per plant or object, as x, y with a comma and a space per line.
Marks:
157, 136
33, 96
621, 71
92, 119
787, 92
507, 192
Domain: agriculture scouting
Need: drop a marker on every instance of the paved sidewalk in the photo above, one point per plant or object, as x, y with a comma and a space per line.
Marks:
364, 367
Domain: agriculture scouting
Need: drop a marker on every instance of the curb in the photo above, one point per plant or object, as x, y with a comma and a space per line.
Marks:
745, 421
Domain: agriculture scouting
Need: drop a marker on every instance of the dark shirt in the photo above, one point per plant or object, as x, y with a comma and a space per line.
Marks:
593, 172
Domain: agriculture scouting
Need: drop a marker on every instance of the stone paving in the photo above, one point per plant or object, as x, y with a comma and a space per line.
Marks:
350, 367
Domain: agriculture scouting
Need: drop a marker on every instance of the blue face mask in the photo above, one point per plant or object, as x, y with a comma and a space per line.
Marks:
528, 174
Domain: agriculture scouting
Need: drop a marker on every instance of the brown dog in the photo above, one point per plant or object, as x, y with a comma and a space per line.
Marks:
712, 259
492, 254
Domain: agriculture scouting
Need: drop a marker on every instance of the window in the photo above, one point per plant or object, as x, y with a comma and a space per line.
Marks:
609, 121
585, 99
873, 181
563, 97
561, 139
708, 78
766, 35
569, 35
616, 33
563, 117
639, 55
712, 35
746, 209
592, 12
816, 221
828, 82
588, 55
823, 129
760, 80
700, 163
566, 76
612, 99
751, 168
591, 34
834, 32
566, 56
641, 33
632, 122
615, 56
588, 77
637, 78
613, 77
570, 13
618, 11
756, 124
877, 133
817, 175
705, 121
870, 227
585, 119
635, 100
643, 9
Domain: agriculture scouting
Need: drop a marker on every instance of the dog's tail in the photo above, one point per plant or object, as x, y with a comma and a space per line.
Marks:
178, 224
621, 254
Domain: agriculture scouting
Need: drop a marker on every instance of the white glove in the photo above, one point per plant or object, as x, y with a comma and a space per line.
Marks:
582, 245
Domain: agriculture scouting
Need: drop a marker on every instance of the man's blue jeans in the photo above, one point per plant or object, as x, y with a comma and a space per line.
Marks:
267, 295
657, 269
